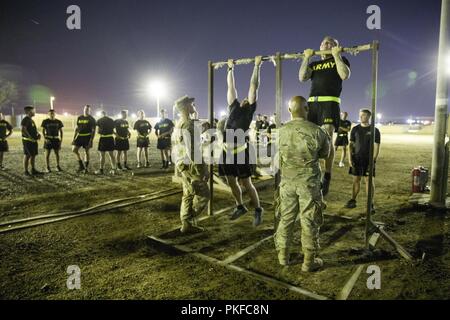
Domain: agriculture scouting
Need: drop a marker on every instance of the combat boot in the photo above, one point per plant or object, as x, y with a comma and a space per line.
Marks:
186, 226
283, 256
311, 262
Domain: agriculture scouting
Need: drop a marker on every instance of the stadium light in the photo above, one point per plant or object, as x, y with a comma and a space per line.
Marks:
157, 89
65, 114
133, 115
222, 114
379, 116
98, 114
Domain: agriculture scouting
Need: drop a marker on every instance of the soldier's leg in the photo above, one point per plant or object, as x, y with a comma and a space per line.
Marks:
329, 161
311, 218
289, 209
102, 160
201, 198
186, 200
235, 189
139, 155
47, 159
57, 156
356, 187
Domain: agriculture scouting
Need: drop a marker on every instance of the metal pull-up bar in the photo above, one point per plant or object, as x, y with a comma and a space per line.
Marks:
293, 56
277, 61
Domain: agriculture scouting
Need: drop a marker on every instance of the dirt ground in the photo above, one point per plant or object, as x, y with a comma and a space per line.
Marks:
119, 261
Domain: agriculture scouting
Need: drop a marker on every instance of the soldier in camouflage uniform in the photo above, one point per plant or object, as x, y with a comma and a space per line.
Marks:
300, 145
193, 171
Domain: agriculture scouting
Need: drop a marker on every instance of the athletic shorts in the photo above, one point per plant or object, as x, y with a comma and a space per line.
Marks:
361, 168
322, 113
4, 146
106, 144
52, 144
143, 142
164, 144
341, 141
30, 148
122, 144
240, 170
83, 142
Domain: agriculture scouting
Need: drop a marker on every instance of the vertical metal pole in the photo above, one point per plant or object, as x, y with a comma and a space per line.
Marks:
278, 89
211, 121
278, 103
375, 48
439, 172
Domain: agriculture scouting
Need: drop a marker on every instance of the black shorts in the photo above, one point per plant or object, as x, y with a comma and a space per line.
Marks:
235, 169
52, 144
360, 168
83, 142
341, 141
122, 144
164, 144
30, 148
143, 142
4, 146
322, 113
106, 144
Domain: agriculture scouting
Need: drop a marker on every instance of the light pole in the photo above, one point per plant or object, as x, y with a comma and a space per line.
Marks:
439, 168
157, 90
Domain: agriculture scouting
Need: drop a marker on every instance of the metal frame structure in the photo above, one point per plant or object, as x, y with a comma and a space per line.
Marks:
277, 59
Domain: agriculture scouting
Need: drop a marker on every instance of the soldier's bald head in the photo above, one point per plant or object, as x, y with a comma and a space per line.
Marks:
298, 107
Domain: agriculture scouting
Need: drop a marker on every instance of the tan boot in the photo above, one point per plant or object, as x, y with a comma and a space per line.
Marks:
311, 262
186, 226
283, 257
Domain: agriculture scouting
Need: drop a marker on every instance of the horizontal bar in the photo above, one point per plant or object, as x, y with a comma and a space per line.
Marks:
352, 50
218, 65
290, 56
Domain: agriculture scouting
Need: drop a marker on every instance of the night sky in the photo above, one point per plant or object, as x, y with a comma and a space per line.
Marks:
124, 44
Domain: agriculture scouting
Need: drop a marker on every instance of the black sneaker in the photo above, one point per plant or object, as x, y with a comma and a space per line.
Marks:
99, 172
119, 166
58, 168
325, 186
27, 174
238, 212
126, 167
372, 211
258, 218
351, 204
147, 164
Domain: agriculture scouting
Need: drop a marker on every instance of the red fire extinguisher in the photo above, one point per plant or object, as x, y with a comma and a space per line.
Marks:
416, 187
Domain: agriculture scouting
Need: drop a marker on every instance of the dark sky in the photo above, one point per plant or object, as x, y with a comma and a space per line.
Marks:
124, 44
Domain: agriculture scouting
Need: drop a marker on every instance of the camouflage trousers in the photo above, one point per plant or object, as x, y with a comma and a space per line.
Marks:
298, 197
195, 197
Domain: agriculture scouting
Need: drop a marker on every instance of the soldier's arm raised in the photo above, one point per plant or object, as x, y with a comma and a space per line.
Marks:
305, 71
342, 69
231, 93
254, 81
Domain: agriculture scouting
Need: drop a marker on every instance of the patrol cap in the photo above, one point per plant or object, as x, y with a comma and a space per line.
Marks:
182, 102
